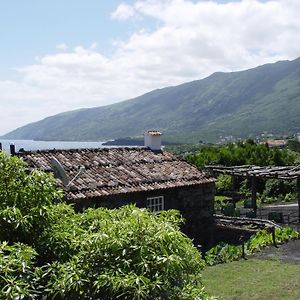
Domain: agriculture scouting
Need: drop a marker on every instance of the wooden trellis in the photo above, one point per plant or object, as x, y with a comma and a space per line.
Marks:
255, 172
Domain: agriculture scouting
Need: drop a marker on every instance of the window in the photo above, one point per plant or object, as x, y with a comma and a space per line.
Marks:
156, 203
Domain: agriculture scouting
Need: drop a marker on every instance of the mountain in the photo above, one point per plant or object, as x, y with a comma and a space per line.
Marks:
266, 98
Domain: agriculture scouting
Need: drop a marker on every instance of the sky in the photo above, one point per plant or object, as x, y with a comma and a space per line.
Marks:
58, 55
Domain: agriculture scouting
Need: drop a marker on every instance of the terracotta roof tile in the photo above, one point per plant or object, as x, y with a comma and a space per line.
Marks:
118, 170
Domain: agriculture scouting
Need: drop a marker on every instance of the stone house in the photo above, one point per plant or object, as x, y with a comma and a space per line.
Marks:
147, 176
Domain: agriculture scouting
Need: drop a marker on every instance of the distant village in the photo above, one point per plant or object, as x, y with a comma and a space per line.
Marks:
273, 140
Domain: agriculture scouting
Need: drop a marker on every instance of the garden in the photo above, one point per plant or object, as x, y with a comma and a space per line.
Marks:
234, 194
47, 250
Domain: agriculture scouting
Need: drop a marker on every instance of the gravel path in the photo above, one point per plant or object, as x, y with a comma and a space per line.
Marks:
289, 252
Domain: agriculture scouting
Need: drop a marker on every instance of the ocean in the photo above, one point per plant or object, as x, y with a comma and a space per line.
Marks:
30, 145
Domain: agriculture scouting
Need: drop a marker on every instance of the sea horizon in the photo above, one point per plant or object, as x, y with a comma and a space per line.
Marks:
33, 145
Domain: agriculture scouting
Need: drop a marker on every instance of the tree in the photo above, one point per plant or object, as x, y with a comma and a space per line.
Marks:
125, 253
25, 199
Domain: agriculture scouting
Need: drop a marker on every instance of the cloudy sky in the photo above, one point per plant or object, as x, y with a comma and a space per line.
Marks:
63, 55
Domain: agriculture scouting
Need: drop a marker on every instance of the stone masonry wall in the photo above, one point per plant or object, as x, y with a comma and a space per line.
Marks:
196, 204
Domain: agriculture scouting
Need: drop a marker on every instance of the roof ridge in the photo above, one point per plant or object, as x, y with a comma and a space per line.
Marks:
99, 149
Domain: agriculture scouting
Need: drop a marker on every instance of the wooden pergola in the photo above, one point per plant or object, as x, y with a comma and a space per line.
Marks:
255, 172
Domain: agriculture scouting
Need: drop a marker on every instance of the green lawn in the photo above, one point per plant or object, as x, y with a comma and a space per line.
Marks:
254, 279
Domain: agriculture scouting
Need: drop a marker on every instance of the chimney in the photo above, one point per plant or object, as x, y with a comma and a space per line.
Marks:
152, 139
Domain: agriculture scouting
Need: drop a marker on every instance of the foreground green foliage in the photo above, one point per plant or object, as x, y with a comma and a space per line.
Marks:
25, 201
46, 249
18, 275
224, 253
254, 279
125, 252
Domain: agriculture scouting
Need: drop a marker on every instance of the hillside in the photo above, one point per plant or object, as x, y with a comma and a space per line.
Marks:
266, 98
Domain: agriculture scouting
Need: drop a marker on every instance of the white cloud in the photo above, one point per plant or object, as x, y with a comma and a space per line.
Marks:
62, 46
191, 41
94, 46
123, 12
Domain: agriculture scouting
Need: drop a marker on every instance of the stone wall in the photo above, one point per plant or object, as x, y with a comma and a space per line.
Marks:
196, 204
197, 207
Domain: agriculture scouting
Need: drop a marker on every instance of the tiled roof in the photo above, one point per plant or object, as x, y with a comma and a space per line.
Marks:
277, 143
118, 170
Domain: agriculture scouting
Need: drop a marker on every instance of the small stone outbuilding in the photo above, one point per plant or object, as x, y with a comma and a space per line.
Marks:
148, 177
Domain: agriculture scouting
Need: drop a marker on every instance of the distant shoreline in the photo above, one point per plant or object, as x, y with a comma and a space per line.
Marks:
132, 142
32, 145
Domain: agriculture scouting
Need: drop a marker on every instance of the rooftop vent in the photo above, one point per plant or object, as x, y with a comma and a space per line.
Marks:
152, 139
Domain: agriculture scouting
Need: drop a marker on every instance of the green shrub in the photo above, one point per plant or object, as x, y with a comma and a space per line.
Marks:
129, 252
230, 211
19, 279
285, 234
276, 188
223, 184
25, 198
242, 153
248, 203
289, 197
223, 253
221, 201
125, 253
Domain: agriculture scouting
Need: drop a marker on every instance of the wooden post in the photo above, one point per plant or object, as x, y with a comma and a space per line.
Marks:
253, 193
274, 237
0, 146
243, 250
298, 195
234, 182
242, 240
234, 185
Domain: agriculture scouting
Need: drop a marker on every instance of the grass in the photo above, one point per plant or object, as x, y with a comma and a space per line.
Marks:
254, 279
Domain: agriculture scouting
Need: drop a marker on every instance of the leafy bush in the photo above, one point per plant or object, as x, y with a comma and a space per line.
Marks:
223, 184
245, 187
230, 210
129, 252
276, 188
125, 253
18, 275
294, 145
223, 253
221, 201
24, 200
247, 203
242, 153
289, 197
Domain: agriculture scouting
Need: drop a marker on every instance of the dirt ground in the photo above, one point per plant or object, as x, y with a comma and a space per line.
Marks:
289, 252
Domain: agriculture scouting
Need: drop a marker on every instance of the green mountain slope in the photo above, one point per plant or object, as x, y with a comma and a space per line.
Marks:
266, 98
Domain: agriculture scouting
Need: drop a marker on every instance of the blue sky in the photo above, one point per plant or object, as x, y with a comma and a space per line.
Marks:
33, 28
62, 55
